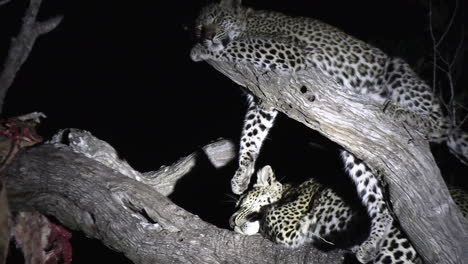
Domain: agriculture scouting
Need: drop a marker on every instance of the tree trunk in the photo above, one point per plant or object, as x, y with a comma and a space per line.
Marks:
86, 188
418, 193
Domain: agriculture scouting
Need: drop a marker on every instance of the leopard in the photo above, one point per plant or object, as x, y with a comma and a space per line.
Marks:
293, 215
460, 197
272, 41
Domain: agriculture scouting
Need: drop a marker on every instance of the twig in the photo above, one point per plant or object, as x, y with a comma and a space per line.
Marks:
448, 65
457, 51
434, 50
22, 45
452, 18
463, 120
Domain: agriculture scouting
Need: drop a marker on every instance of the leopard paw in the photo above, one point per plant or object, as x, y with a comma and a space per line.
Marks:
240, 181
366, 252
198, 53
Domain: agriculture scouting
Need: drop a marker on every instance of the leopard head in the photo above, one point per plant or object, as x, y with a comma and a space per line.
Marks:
220, 23
267, 190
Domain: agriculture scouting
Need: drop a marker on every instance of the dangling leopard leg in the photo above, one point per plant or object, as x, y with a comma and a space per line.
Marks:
396, 248
371, 194
258, 121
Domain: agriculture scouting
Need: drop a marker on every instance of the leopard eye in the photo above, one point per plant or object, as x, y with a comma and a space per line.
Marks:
254, 216
225, 41
211, 19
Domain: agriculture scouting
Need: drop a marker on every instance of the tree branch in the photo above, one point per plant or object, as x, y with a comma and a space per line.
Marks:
128, 214
22, 45
164, 180
4, 2
418, 193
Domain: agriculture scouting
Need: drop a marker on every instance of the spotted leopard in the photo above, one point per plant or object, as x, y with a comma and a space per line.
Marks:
227, 31
273, 41
311, 213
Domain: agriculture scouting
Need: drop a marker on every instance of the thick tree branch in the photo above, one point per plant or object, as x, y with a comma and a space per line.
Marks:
22, 45
129, 215
418, 194
163, 180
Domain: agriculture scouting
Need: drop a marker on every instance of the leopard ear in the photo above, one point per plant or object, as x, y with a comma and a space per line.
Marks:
265, 176
234, 4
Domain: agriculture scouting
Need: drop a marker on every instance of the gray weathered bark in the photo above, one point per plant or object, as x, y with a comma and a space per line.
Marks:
418, 193
85, 187
22, 45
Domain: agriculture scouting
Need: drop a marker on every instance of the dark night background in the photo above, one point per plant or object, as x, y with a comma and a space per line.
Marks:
122, 71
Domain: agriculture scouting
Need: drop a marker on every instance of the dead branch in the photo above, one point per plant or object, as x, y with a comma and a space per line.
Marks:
22, 45
163, 180
448, 66
418, 193
4, 2
128, 214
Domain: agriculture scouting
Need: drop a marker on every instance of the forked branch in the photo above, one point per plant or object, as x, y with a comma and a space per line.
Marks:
21, 45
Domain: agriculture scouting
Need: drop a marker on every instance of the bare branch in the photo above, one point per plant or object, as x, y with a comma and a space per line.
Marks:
163, 180
49, 25
458, 50
219, 153
449, 25
447, 64
22, 45
130, 216
434, 50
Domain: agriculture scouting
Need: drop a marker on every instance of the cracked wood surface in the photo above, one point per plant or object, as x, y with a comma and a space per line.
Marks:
131, 216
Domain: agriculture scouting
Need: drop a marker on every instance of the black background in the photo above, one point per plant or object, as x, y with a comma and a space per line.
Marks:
122, 71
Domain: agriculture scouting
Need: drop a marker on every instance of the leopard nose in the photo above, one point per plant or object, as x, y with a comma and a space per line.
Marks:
208, 33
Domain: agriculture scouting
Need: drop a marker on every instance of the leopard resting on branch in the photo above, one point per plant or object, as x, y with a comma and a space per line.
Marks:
310, 212
272, 41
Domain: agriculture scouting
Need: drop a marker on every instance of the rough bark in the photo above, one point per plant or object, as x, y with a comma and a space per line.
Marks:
418, 193
87, 192
22, 45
